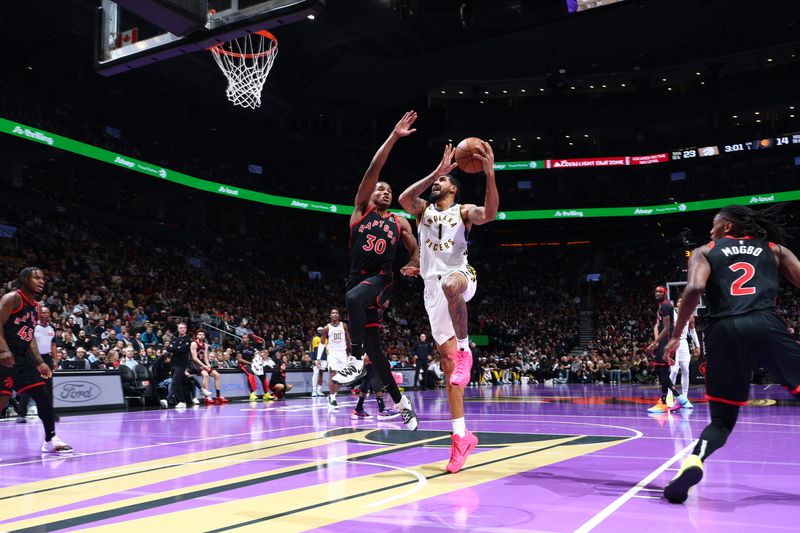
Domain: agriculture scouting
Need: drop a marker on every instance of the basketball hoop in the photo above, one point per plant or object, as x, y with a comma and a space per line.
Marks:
246, 63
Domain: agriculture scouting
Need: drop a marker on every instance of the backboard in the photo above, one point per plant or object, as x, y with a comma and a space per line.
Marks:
126, 40
674, 291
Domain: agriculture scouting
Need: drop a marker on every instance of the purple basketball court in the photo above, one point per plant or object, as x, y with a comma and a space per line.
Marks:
562, 458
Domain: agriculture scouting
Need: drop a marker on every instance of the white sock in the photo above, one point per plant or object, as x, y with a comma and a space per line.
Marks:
463, 344
333, 395
459, 427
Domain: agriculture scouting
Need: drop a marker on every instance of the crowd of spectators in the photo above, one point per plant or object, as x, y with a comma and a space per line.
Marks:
116, 298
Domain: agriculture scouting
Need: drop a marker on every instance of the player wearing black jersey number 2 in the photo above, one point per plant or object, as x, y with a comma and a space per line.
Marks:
739, 271
375, 234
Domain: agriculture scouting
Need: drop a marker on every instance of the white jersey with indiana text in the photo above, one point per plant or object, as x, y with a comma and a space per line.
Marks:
337, 342
442, 241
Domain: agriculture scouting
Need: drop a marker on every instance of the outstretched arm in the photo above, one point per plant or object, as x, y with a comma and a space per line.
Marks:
474, 214
367, 185
410, 200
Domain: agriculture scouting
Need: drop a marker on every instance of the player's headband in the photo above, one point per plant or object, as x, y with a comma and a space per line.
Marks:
662, 289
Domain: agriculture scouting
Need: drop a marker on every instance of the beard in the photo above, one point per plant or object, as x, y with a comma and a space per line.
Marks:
434, 197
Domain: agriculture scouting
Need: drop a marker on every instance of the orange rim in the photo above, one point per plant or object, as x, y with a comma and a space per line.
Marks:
264, 33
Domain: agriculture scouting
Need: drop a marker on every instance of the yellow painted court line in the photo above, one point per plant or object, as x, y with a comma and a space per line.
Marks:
20, 502
325, 504
65, 515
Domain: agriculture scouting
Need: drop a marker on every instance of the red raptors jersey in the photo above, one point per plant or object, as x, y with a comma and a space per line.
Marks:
373, 243
21, 324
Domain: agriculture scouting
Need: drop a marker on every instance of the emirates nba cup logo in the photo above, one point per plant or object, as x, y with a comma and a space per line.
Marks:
76, 391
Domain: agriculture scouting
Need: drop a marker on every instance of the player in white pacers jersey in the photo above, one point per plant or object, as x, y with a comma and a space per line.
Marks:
443, 225
683, 356
337, 336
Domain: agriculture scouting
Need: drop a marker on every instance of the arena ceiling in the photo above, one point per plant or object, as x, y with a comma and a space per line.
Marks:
366, 53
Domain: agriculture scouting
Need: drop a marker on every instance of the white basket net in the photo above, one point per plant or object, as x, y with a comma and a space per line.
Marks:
246, 63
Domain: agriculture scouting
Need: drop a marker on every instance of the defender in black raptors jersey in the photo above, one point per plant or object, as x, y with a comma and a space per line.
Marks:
21, 366
662, 331
739, 272
374, 236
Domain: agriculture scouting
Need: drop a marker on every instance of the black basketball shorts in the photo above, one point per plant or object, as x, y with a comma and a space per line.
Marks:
734, 345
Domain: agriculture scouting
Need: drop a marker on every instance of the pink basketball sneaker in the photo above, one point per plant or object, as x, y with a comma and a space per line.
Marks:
463, 362
460, 450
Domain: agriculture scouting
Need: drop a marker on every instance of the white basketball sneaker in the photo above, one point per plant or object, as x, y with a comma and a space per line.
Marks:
56, 445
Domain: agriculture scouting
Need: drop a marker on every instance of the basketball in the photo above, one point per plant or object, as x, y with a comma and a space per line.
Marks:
465, 155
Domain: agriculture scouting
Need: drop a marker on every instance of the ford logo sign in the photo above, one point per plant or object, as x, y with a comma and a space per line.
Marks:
76, 391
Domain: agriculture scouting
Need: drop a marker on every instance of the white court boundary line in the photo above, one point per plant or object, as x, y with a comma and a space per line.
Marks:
619, 502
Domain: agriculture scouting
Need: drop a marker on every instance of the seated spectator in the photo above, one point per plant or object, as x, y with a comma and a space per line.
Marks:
149, 338
277, 383
112, 359
77, 362
130, 358
69, 343
83, 341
